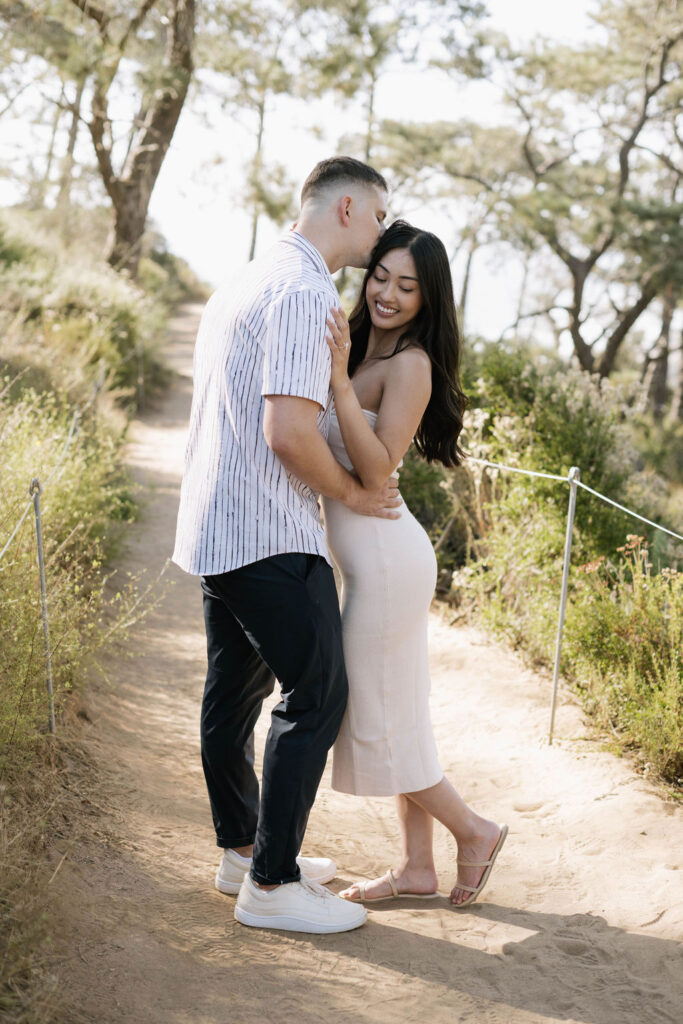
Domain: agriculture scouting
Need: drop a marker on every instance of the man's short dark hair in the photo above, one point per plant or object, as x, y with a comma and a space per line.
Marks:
337, 169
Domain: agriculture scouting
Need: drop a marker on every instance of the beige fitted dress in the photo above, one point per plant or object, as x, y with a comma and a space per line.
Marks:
388, 569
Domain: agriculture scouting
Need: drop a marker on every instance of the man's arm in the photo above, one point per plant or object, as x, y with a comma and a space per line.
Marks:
290, 427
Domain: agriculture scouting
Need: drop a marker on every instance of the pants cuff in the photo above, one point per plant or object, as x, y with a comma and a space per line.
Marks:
262, 880
230, 844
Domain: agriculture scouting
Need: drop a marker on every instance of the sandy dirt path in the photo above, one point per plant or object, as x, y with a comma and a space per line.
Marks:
581, 921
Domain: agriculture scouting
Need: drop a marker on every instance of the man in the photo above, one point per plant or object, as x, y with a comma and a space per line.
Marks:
249, 525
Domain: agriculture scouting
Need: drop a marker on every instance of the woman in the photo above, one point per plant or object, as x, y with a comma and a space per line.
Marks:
395, 378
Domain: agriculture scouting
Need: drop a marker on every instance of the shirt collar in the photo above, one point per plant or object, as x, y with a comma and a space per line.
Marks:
294, 238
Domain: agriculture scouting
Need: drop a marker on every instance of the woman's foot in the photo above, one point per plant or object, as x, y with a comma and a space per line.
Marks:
479, 849
407, 882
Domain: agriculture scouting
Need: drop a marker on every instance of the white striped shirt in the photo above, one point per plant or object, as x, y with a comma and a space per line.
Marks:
263, 334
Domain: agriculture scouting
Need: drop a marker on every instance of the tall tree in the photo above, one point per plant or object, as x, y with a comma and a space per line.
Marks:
597, 134
257, 48
587, 115
121, 49
365, 38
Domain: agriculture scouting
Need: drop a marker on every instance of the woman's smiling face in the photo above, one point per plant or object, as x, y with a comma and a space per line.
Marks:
392, 292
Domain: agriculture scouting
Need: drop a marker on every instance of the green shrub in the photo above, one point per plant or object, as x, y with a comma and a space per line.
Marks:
661, 447
76, 319
623, 649
168, 278
532, 413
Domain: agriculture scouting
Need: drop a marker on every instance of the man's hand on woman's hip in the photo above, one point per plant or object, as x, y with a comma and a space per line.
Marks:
382, 502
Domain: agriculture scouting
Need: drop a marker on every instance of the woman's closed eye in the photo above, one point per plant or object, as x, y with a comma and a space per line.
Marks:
401, 288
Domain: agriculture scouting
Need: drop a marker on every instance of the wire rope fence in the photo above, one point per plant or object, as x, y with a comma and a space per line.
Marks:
573, 479
36, 489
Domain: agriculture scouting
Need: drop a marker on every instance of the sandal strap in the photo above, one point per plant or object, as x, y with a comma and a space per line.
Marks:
474, 863
392, 881
361, 890
468, 888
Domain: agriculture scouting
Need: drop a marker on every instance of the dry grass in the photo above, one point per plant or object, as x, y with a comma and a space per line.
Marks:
43, 809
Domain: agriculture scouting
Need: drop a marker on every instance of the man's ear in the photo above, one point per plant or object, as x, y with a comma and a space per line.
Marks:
344, 209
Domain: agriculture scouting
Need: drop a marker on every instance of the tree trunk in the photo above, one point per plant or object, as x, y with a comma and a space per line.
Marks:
676, 408
466, 280
131, 191
38, 199
66, 178
369, 130
256, 176
583, 351
627, 321
124, 246
657, 371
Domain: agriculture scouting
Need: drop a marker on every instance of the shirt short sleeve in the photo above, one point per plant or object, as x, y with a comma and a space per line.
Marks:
297, 360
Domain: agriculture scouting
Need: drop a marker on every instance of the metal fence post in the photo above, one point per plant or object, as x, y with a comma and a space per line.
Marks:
98, 384
140, 353
35, 491
574, 474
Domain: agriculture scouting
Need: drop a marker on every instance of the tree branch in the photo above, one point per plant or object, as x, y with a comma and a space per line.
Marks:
606, 363
98, 130
662, 157
10, 103
149, 150
526, 147
648, 94
471, 177
528, 316
136, 22
96, 13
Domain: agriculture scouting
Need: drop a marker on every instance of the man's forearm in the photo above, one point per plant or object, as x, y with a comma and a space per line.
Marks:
310, 459
291, 432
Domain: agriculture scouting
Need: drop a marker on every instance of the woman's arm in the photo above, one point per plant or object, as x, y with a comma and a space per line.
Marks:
375, 454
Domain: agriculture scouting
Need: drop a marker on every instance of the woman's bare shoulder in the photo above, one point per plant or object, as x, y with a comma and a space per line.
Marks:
408, 379
410, 361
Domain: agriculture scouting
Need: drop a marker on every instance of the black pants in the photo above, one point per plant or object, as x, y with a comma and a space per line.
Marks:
276, 618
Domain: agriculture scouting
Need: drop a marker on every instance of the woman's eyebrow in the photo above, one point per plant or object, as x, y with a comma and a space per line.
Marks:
401, 276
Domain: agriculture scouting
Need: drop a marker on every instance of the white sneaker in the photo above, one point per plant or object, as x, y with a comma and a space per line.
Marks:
233, 868
301, 906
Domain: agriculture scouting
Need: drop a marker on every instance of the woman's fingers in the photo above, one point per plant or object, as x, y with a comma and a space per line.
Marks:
336, 333
335, 346
339, 329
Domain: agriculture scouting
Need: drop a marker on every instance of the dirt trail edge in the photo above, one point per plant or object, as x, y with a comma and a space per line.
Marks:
579, 922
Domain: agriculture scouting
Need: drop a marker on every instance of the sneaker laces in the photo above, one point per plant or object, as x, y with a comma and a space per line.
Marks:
314, 887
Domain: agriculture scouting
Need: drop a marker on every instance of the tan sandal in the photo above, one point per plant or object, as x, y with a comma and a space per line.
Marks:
395, 894
488, 864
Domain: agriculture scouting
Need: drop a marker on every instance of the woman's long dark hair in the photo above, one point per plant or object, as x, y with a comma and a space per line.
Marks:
434, 329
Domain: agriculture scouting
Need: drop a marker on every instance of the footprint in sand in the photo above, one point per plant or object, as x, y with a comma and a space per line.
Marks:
533, 809
579, 948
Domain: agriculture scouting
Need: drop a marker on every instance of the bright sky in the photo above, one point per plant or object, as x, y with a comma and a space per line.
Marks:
196, 202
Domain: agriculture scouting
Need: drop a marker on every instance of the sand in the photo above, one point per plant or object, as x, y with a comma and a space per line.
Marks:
582, 918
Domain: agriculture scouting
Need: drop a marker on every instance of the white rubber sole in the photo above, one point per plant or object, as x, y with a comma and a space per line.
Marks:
294, 924
233, 888
229, 888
